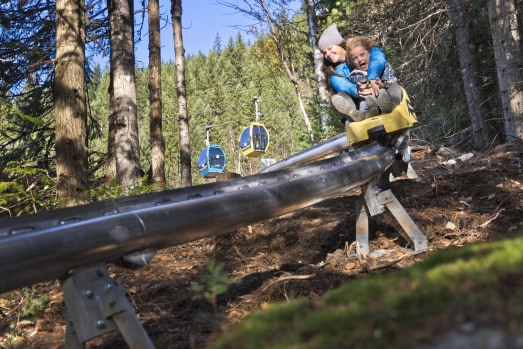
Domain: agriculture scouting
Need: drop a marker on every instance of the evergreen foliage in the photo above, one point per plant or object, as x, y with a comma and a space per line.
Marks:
25, 188
221, 84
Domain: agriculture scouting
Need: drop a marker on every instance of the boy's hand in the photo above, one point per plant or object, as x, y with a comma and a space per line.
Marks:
365, 89
375, 86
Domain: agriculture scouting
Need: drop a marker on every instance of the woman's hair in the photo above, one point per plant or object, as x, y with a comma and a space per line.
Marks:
356, 41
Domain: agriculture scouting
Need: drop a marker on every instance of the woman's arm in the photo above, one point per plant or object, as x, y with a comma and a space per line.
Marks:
376, 63
342, 83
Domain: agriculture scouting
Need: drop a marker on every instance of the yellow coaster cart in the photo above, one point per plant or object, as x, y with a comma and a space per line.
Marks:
383, 127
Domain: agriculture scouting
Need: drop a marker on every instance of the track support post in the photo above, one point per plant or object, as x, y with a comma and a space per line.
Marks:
95, 305
375, 202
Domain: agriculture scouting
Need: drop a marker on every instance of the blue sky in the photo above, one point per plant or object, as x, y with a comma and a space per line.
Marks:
202, 20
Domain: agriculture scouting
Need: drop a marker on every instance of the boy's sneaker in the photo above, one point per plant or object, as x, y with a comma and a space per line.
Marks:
371, 107
384, 101
356, 115
380, 105
346, 106
343, 102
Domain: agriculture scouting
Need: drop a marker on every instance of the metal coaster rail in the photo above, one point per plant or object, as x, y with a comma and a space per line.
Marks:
48, 245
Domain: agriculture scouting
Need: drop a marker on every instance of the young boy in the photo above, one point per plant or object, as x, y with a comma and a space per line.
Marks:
389, 94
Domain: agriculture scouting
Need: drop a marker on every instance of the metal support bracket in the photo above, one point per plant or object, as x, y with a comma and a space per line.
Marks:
375, 202
96, 304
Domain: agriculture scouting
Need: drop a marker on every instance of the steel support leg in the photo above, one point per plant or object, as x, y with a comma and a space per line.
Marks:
362, 227
95, 305
412, 232
375, 203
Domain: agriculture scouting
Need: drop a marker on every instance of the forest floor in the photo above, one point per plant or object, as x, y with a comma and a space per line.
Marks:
299, 255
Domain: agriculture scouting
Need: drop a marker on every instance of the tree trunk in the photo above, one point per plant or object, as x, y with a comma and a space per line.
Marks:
287, 62
506, 40
70, 108
123, 144
482, 133
318, 66
155, 98
183, 118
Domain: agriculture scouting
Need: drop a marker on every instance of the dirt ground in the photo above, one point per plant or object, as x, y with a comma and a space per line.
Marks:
302, 254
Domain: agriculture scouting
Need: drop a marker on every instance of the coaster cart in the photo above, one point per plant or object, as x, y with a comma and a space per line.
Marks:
385, 128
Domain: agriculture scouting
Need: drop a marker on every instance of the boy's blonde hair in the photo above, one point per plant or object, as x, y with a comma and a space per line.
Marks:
356, 41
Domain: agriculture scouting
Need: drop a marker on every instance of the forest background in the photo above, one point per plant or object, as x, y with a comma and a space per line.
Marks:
437, 48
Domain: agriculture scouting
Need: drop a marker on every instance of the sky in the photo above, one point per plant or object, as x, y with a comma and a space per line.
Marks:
202, 20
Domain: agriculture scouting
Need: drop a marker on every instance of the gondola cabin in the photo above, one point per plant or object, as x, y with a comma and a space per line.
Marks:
254, 140
211, 161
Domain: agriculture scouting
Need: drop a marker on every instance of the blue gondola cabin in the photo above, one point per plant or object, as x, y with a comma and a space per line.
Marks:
254, 140
211, 161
